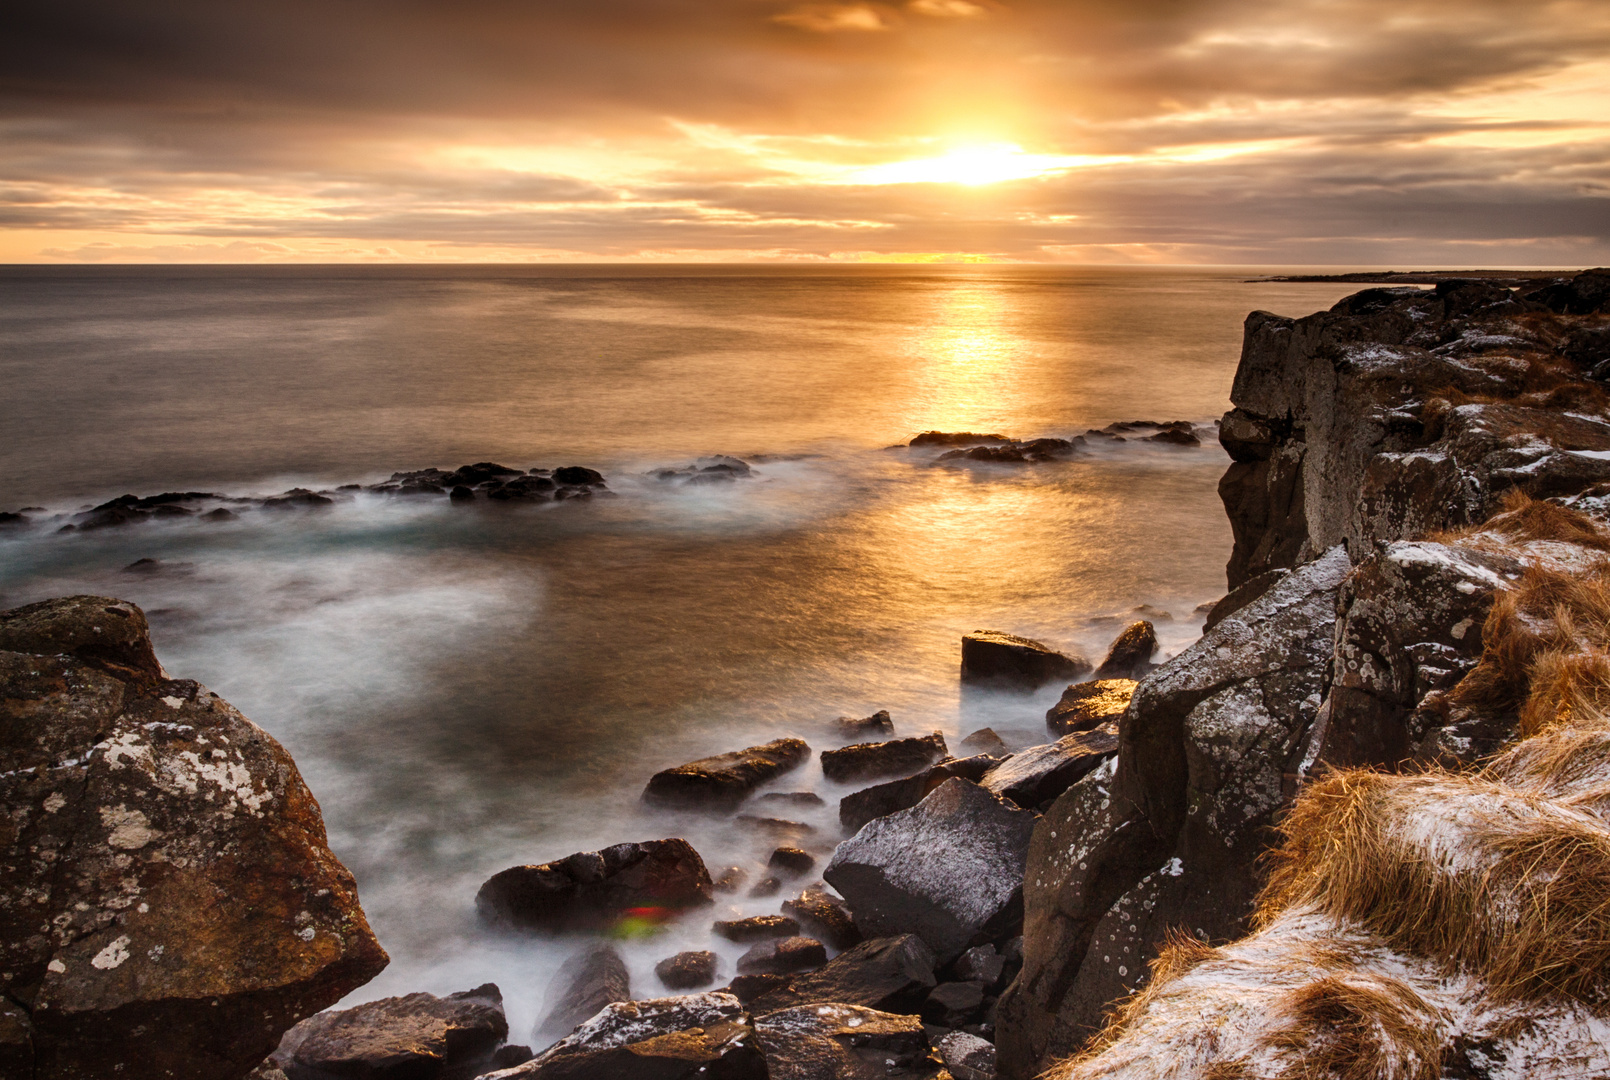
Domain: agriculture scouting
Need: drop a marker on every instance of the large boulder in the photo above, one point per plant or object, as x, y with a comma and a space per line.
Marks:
1168, 835
592, 889
845, 1042
417, 1037
949, 869
892, 974
1034, 777
864, 761
584, 984
996, 658
1088, 705
725, 780
160, 850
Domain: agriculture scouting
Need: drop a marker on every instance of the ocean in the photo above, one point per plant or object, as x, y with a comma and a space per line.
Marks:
468, 687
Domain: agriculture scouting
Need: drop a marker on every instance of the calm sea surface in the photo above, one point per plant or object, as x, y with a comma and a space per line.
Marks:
466, 688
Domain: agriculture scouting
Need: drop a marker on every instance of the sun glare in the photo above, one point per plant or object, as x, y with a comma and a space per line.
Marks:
986, 163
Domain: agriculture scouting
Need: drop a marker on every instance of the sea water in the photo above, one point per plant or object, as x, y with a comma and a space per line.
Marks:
466, 688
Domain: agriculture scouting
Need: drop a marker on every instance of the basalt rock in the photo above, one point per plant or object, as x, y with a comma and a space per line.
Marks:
1089, 705
160, 850
1130, 654
892, 974
866, 760
996, 658
679, 1038
845, 1042
1033, 778
591, 889
584, 984
950, 869
725, 780
418, 1037
880, 800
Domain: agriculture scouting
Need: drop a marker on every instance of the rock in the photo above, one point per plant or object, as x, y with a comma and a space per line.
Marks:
985, 741
1033, 778
824, 915
575, 474
1016, 453
949, 869
747, 988
864, 760
591, 889
852, 730
1089, 705
506, 1057
956, 438
401, 1038
461, 494
791, 798
481, 472
1169, 833
724, 781
967, 1056
584, 984
756, 928
891, 974
791, 860
781, 956
687, 970
982, 965
766, 886
1176, 435
778, 828
858, 808
840, 1042
953, 1004
1001, 659
1130, 654
159, 850
730, 880
678, 1038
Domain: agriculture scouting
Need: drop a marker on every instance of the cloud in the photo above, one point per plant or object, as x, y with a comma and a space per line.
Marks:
831, 18
947, 9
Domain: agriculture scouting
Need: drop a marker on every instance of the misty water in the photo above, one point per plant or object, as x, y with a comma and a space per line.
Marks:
469, 687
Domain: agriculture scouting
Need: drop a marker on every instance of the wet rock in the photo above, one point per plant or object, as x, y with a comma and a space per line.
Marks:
838, 1042
770, 885
1130, 654
462, 494
953, 1004
791, 798
687, 970
997, 658
878, 724
865, 760
748, 988
781, 956
780, 828
756, 928
730, 879
505, 1057
986, 742
725, 780
480, 473
956, 438
678, 1038
1089, 705
1018, 453
791, 860
880, 800
578, 476
591, 889
981, 964
967, 1056
401, 1038
891, 974
1033, 778
300, 497
825, 915
720, 469
949, 869
160, 850
584, 984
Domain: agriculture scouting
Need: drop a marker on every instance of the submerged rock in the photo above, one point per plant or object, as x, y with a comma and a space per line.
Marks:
830, 1042
949, 869
161, 850
1088, 705
417, 1037
584, 984
725, 780
1002, 659
591, 889
864, 760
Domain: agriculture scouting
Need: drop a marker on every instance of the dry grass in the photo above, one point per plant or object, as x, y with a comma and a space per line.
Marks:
1359, 1026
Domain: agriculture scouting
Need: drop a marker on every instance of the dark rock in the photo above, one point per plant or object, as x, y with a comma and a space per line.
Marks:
299, 497
756, 928
791, 860
1089, 705
853, 730
507, 1057
462, 494
892, 974
948, 869
766, 886
679, 1038
1130, 654
986, 741
720, 469
591, 889
953, 1004
1176, 435
860, 807
1584, 294
747, 988
825, 915
967, 1056
479, 473
725, 780
841, 1042
1033, 778
575, 474
776, 827
220, 514
730, 880
160, 850
956, 438
1017, 453
994, 657
401, 1038
687, 970
782, 956
864, 760
583, 985
982, 965
792, 798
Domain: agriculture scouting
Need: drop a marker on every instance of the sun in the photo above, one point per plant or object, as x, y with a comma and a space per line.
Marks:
970, 165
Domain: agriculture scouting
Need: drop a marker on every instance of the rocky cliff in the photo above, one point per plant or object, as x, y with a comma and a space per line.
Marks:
1417, 493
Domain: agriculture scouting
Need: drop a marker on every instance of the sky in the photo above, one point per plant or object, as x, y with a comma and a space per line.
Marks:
1401, 133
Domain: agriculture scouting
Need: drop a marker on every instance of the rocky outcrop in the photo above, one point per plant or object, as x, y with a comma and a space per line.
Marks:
725, 780
159, 850
417, 1037
591, 889
996, 658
